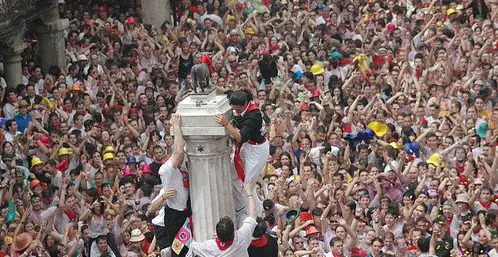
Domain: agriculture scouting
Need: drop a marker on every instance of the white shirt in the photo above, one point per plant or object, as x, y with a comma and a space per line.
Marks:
241, 241
172, 178
39, 86
159, 219
9, 111
493, 253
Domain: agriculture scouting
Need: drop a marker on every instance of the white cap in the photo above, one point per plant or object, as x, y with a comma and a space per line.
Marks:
82, 57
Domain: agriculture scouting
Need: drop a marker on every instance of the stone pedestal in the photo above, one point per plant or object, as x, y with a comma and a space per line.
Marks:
51, 43
208, 149
156, 12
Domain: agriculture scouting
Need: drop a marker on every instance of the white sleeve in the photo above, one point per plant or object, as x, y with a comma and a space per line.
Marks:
247, 229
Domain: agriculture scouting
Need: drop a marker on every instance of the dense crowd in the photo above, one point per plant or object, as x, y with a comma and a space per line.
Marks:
381, 118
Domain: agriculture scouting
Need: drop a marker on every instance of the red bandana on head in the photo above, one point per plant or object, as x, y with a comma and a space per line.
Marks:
223, 246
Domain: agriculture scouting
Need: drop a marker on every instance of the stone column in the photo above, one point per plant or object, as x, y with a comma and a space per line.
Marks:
208, 149
12, 69
12, 61
156, 12
51, 43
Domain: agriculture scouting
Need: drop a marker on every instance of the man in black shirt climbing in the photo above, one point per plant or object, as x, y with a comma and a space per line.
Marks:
251, 147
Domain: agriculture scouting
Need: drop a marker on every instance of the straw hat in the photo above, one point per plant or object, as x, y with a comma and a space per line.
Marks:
136, 236
22, 241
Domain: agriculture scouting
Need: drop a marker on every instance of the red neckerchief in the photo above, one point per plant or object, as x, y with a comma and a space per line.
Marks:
63, 165
261, 242
239, 165
337, 255
419, 73
449, 220
485, 205
459, 166
223, 246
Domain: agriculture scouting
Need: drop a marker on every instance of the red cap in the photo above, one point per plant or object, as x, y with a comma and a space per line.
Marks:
35, 183
131, 20
133, 111
378, 60
345, 61
104, 8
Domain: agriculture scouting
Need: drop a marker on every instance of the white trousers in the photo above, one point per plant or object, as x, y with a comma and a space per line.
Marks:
254, 158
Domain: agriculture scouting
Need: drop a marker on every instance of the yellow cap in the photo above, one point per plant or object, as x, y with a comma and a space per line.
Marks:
107, 156
109, 149
35, 161
64, 151
450, 11
379, 128
434, 160
249, 31
394, 145
316, 69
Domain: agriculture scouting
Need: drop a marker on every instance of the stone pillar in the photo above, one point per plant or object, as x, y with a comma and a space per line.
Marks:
12, 69
12, 60
156, 12
51, 43
208, 149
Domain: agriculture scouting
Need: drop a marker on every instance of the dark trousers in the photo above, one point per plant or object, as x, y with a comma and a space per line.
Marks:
173, 221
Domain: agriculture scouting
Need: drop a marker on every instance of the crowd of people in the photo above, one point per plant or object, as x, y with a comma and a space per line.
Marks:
379, 121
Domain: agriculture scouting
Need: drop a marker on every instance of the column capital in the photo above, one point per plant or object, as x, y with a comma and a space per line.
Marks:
15, 46
52, 26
